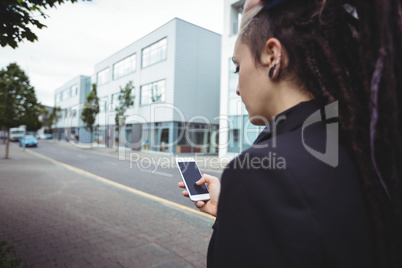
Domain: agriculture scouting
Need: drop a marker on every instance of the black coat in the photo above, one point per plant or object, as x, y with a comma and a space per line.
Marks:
297, 212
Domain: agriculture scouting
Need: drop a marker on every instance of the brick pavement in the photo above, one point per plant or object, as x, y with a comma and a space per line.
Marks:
58, 218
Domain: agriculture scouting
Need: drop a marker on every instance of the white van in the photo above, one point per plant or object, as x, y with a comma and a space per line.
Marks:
16, 133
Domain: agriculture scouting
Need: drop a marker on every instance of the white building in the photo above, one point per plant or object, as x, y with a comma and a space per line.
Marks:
70, 98
241, 133
175, 71
44, 118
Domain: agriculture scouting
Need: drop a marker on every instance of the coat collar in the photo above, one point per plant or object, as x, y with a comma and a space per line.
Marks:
289, 119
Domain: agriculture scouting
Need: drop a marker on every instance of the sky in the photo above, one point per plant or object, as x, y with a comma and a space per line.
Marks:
80, 35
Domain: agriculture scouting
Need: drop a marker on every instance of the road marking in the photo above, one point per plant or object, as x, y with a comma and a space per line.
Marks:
121, 186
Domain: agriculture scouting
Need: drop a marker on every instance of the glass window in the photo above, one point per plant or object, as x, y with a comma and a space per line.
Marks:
196, 138
145, 140
233, 79
234, 101
234, 135
235, 17
153, 92
66, 94
115, 99
235, 106
74, 90
155, 138
102, 104
124, 66
103, 77
154, 53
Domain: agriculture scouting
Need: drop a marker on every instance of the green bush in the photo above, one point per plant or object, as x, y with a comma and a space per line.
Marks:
7, 261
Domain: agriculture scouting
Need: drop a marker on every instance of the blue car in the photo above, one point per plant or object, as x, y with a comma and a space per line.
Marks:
28, 141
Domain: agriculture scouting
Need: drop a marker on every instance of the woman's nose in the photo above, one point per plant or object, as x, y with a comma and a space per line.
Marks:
237, 91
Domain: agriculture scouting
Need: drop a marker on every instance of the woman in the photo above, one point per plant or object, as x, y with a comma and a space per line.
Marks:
300, 64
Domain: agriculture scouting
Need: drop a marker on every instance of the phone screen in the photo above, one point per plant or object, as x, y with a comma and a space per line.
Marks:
191, 175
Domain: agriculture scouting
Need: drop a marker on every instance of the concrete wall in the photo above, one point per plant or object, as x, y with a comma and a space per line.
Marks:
197, 73
228, 43
141, 76
191, 71
75, 102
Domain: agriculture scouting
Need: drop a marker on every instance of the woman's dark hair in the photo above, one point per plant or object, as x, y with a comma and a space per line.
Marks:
350, 51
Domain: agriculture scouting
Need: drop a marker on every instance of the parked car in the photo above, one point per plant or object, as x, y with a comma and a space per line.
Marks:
46, 137
28, 141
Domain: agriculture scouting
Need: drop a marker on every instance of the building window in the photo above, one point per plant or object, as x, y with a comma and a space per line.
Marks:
196, 138
124, 66
153, 92
235, 17
154, 53
155, 137
102, 104
74, 90
115, 99
234, 101
233, 80
66, 94
103, 77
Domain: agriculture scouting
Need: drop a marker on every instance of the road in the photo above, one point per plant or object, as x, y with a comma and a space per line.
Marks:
58, 216
147, 176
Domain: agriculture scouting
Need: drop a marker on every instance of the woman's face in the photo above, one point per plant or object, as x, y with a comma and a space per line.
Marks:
254, 86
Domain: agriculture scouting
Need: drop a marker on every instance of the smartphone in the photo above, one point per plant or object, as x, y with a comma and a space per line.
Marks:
191, 174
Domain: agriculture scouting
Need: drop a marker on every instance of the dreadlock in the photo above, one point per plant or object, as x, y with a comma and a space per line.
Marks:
350, 51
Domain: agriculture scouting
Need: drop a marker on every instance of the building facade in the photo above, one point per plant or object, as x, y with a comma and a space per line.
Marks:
240, 133
44, 118
71, 98
175, 74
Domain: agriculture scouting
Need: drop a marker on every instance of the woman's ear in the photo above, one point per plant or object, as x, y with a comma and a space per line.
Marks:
271, 57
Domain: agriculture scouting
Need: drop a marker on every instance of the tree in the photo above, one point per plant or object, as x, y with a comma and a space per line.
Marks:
126, 99
17, 16
54, 117
18, 103
6, 257
91, 109
44, 117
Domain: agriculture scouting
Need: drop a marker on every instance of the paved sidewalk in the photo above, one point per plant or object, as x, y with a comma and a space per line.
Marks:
58, 218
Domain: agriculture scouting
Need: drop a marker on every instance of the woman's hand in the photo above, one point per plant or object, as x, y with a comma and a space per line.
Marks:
214, 187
